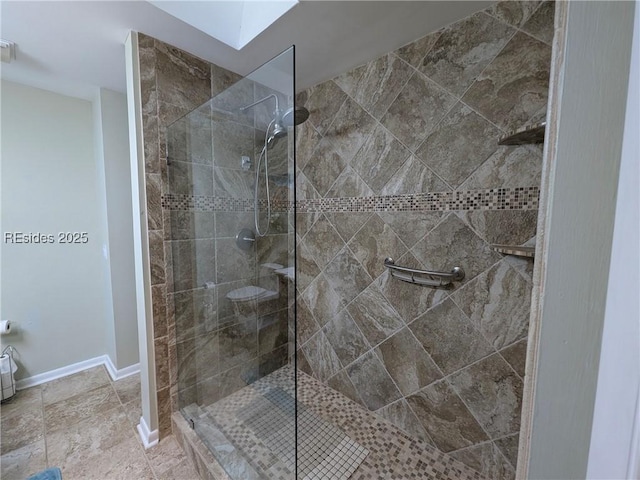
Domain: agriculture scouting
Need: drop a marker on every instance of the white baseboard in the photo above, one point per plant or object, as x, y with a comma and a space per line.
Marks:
149, 438
78, 367
116, 374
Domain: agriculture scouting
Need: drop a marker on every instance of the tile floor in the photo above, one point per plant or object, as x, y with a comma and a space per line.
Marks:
383, 451
86, 425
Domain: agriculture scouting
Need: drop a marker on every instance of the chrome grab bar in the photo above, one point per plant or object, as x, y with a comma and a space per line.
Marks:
425, 277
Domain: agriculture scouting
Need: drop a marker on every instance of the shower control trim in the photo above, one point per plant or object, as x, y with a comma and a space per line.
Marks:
245, 239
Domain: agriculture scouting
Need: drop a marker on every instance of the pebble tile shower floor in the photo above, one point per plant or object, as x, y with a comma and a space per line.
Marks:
251, 433
86, 425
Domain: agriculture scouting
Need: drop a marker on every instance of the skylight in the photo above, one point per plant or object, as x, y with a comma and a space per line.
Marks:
235, 22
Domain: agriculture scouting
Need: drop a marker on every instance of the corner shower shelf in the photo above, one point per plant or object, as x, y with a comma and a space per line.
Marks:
517, 250
525, 135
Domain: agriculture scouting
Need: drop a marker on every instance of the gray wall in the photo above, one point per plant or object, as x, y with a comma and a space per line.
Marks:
56, 294
447, 366
110, 113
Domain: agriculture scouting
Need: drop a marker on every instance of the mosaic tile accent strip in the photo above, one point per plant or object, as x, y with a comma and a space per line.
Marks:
375, 447
203, 203
519, 198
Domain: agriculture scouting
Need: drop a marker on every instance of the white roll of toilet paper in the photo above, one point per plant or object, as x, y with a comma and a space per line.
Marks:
5, 327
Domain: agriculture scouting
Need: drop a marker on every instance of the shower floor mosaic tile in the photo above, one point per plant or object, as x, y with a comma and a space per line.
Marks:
337, 438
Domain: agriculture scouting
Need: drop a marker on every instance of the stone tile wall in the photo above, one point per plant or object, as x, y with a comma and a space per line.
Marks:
205, 347
445, 365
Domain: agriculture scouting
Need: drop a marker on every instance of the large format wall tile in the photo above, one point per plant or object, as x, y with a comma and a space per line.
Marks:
346, 276
407, 362
372, 382
324, 167
449, 337
230, 142
350, 129
515, 85
232, 183
374, 315
306, 325
345, 337
373, 243
411, 226
173, 66
516, 356
323, 103
191, 225
400, 414
324, 361
190, 179
414, 52
451, 243
498, 303
540, 25
414, 177
306, 268
428, 142
347, 224
349, 184
488, 460
322, 242
322, 299
379, 158
342, 383
507, 167
419, 107
445, 417
376, 84
514, 13
460, 143
493, 393
509, 448
463, 50
506, 227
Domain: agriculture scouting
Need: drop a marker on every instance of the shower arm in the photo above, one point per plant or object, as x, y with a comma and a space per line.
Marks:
247, 107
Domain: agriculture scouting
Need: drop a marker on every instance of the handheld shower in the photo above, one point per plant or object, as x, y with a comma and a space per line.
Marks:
276, 129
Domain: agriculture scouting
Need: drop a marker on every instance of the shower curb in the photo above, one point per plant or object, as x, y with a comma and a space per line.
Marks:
199, 456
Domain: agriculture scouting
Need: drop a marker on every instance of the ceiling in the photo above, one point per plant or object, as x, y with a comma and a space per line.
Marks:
74, 47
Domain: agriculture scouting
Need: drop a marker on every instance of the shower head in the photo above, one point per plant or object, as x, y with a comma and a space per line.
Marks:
294, 116
289, 118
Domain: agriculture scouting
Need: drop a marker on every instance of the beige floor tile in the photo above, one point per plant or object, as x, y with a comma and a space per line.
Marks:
72, 385
128, 389
19, 464
23, 400
165, 456
182, 471
85, 405
20, 429
134, 411
123, 461
89, 438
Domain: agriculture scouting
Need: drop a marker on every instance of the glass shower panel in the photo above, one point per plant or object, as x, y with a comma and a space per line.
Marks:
230, 200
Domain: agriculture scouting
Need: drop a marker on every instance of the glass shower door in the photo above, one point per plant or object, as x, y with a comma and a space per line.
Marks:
230, 169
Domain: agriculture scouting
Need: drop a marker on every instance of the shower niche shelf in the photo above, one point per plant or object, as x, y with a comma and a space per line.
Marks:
527, 135
516, 250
